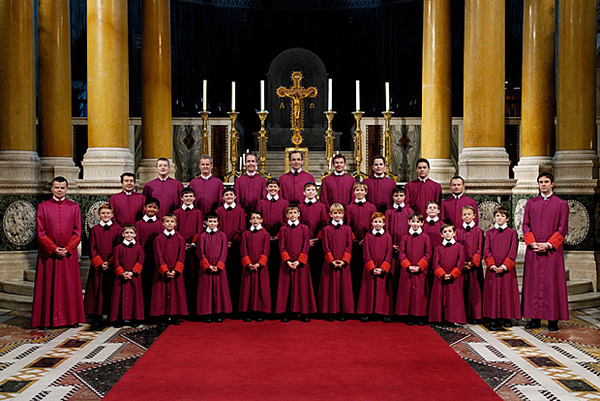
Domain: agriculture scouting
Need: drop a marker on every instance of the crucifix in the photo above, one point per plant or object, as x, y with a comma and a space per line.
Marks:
297, 93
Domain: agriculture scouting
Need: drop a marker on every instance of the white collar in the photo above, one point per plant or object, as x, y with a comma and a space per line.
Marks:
163, 180
445, 241
547, 197
503, 227
458, 196
379, 176
167, 232
251, 174
258, 227
360, 200
465, 225
208, 230
147, 219
207, 177
307, 201
423, 179
102, 224
418, 232
434, 219
337, 223
296, 171
186, 207
229, 207
269, 197
129, 242
293, 223
59, 200
375, 232
396, 206
338, 174
128, 193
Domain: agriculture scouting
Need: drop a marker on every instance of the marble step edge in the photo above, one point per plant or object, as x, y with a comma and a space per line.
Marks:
16, 302
583, 301
17, 287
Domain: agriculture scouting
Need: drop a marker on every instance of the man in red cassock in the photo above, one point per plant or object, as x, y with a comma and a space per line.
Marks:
128, 205
545, 224
380, 186
164, 188
423, 189
337, 187
207, 187
452, 206
57, 298
250, 187
292, 182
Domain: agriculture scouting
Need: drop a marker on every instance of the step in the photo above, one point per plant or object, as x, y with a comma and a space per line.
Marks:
29, 275
583, 301
16, 302
18, 287
579, 286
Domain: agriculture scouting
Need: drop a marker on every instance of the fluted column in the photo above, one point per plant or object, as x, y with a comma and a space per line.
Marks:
18, 157
108, 154
484, 156
537, 106
437, 92
156, 86
54, 101
576, 157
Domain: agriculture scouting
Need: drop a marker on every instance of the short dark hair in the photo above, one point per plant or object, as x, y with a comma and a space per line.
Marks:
446, 226
457, 177
398, 189
128, 227
211, 215
416, 215
258, 212
502, 211
170, 216
188, 190
59, 178
228, 189
377, 157
295, 151
339, 156
309, 184
252, 154
292, 206
163, 159
422, 160
273, 181
151, 201
127, 174
545, 174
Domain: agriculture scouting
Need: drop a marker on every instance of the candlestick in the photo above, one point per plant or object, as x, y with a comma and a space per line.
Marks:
262, 143
329, 137
358, 145
262, 95
232, 95
330, 95
233, 149
204, 139
387, 144
387, 96
357, 95
204, 95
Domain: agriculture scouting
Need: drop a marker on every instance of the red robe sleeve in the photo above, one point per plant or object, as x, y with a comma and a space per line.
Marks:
95, 259
389, 248
117, 261
438, 271
348, 250
158, 255
285, 256
223, 256
244, 249
404, 262
367, 257
424, 262
461, 262
181, 255
510, 259
303, 257
326, 248
204, 264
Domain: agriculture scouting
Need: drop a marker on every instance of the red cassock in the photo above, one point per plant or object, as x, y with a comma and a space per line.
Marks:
273, 214
359, 218
396, 222
295, 290
128, 209
418, 193
168, 192
380, 192
249, 190
168, 294
451, 212
292, 186
337, 189
146, 232
446, 300
335, 289
472, 240
376, 292
255, 291
501, 291
433, 230
413, 288
57, 298
99, 282
127, 297
189, 225
232, 222
213, 288
315, 216
544, 278
208, 193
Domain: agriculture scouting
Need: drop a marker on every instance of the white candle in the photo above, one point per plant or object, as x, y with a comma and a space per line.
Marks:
232, 95
330, 96
262, 95
387, 96
204, 95
357, 95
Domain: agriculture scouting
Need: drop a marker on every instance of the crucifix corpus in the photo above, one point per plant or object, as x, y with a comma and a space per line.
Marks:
297, 93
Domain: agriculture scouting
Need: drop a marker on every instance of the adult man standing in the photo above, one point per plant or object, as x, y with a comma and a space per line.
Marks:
250, 187
127, 204
292, 182
423, 189
57, 298
164, 188
208, 188
380, 186
545, 224
452, 206
337, 187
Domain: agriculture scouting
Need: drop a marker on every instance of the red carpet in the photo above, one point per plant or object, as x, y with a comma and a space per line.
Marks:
304, 361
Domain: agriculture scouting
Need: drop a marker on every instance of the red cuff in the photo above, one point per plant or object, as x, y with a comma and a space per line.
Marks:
178, 267
455, 272
439, 272
476, 259
72, 244
47, 244
263, 260
285, 256
556, 240
195, 238
119, 270
386, 266
163, 269
423, 264
246, 261
320, 234
303, 258
137, 268
490, 261
329, 257
509, 263
204, 264
405, 263
346, 258
529, 238
221, 265
370, 265
97, 261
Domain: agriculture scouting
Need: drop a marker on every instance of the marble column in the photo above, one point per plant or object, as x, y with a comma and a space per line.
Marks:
537, 106
108, 154
19, 160
54, 72
484, 158
156, 86
437, 93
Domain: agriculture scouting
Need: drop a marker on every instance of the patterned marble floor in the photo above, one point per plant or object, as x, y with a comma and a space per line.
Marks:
78, 364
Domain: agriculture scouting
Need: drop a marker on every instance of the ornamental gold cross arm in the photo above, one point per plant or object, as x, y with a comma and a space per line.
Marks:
297, 93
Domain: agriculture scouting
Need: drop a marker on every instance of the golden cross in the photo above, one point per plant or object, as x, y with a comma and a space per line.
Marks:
297, 93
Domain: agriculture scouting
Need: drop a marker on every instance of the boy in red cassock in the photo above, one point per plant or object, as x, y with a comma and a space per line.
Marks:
314, 215
471, 237
147, 229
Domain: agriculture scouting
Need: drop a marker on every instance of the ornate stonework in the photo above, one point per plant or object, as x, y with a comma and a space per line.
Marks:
579, 223
518, 216
91, 217
19, 223
486, 214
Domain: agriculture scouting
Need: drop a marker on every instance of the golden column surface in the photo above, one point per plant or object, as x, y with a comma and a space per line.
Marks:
576, 92
156, 79
537, 107
437, 93
17, 76
54, 58
107, 69
484, 73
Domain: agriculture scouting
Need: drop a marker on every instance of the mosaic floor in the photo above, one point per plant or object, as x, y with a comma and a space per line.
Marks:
519, 364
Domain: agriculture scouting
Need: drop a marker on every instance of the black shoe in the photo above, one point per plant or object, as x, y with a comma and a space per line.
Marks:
495, 325
533, 324
364, 319
248, 319
134, 324
410, 322
304, 318
219, 319
341, 318
421, 322
95, 327
260, 319
284, 319
163, 324
175, 321
553, 325
207, 320
329, 318
508, 323
387, 319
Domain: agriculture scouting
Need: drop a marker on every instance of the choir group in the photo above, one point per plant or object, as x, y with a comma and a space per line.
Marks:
372, 249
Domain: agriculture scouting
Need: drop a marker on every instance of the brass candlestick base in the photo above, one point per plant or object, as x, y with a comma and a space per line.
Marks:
262, 144
233, 149
387, 144
358, 156
329, 137
204, 140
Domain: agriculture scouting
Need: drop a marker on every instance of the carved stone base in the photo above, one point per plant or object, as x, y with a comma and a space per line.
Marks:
59, 166
12, 264
106, 164
577, 169
442, 170
582, 266
21, 165
527, 171
147, 170
484, 163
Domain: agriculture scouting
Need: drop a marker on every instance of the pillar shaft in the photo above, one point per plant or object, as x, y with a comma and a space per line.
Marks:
437, 94
484, 72
576, 92
107, 69
17, 76
54, 61
156, 79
